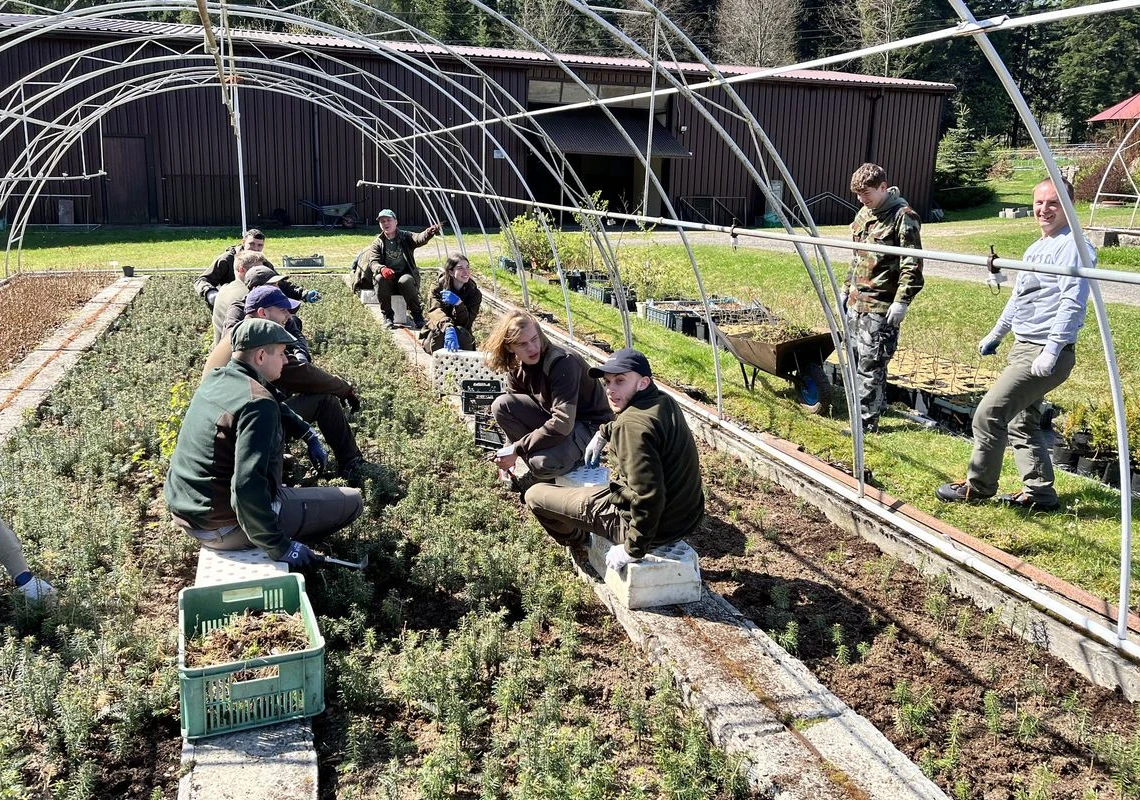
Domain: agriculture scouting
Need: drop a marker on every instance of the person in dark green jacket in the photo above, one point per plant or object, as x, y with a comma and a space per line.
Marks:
224, 486
655, 495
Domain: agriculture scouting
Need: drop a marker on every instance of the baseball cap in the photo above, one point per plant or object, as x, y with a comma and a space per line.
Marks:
387, 212
259, 276
254, 332
625, 360
268, 297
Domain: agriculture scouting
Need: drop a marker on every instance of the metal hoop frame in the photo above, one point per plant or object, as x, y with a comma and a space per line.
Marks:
43, 153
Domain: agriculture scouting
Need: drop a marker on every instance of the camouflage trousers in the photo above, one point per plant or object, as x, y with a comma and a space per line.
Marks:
875, 344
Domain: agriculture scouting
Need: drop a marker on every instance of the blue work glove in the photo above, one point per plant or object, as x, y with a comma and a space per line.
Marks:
617, 558
312, 296
896, 313
298, 555
450, 297
317, 453
211, 296
989, 345
594, 450
451, 340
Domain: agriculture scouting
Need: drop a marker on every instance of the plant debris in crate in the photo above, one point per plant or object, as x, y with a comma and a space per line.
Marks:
488, 434
251, 634
773, 331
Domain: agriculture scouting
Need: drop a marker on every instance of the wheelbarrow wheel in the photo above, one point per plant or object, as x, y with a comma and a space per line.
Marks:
349, 220
813, 391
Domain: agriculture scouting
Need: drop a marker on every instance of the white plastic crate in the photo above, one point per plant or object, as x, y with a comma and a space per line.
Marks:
449, 370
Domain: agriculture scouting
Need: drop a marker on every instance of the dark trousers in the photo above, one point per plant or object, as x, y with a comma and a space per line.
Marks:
326, 411
308, 514
408, 287
520, 414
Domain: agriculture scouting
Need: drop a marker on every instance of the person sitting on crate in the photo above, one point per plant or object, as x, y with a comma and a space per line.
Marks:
224, 486
34, 590
388, 265
221, 272
655, 495
317, 396
455, 302
552, 407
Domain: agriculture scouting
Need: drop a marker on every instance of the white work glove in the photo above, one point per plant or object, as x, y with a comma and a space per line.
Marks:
1042, 366
617, 557
989, 345
37, 590
594, 450
896, 313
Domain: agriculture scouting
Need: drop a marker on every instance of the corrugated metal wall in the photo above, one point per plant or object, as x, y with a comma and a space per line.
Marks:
295, 150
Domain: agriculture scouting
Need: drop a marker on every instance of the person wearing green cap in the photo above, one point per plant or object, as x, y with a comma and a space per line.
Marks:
224, 486
389, 266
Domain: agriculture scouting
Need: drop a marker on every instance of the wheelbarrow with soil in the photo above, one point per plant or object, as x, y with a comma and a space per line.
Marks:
786, 352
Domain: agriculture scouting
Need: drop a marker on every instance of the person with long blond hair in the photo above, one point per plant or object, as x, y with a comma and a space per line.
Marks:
552, 406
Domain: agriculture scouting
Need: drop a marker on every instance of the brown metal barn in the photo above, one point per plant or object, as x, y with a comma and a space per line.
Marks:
168, 152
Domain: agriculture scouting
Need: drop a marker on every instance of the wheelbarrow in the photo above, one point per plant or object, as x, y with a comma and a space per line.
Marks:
334, 214
798, 360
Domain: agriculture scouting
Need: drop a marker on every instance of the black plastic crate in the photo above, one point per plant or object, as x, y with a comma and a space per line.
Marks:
477, 395
488, 434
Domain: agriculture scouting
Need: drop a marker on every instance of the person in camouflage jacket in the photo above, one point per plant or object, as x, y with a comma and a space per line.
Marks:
879, 287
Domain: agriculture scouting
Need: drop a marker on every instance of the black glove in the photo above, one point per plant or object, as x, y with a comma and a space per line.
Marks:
211, 296
352, 400
298, 555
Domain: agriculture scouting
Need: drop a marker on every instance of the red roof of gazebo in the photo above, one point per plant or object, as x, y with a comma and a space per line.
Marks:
1125, 109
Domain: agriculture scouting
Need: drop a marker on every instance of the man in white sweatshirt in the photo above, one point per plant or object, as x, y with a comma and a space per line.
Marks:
1045, 312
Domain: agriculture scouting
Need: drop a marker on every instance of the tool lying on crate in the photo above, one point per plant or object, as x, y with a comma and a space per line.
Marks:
351, 564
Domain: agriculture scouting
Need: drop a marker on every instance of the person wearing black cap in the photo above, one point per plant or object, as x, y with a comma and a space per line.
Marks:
390, 266
655, 495
224, 486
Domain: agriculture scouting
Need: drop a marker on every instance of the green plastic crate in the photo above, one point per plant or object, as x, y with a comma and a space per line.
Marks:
212, 701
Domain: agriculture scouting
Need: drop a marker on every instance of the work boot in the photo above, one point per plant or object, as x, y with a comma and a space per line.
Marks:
350, 472
417, 322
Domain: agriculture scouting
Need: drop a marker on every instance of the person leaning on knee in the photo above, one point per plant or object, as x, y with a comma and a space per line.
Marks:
1045, 312
33, 588
552, 406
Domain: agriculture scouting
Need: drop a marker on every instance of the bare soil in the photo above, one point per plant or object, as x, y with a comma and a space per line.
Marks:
906, 654
34, 305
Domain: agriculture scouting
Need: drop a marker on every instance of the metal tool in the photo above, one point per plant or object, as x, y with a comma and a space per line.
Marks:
352, 564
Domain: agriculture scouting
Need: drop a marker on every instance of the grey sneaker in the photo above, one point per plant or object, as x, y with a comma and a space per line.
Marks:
389, 321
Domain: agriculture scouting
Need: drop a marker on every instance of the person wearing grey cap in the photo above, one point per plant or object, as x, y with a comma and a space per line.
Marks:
655, 495
223, 271
389, 266
224, 486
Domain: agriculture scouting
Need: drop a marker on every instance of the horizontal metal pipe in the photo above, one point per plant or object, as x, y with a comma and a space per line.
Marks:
815, 241
994, 24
